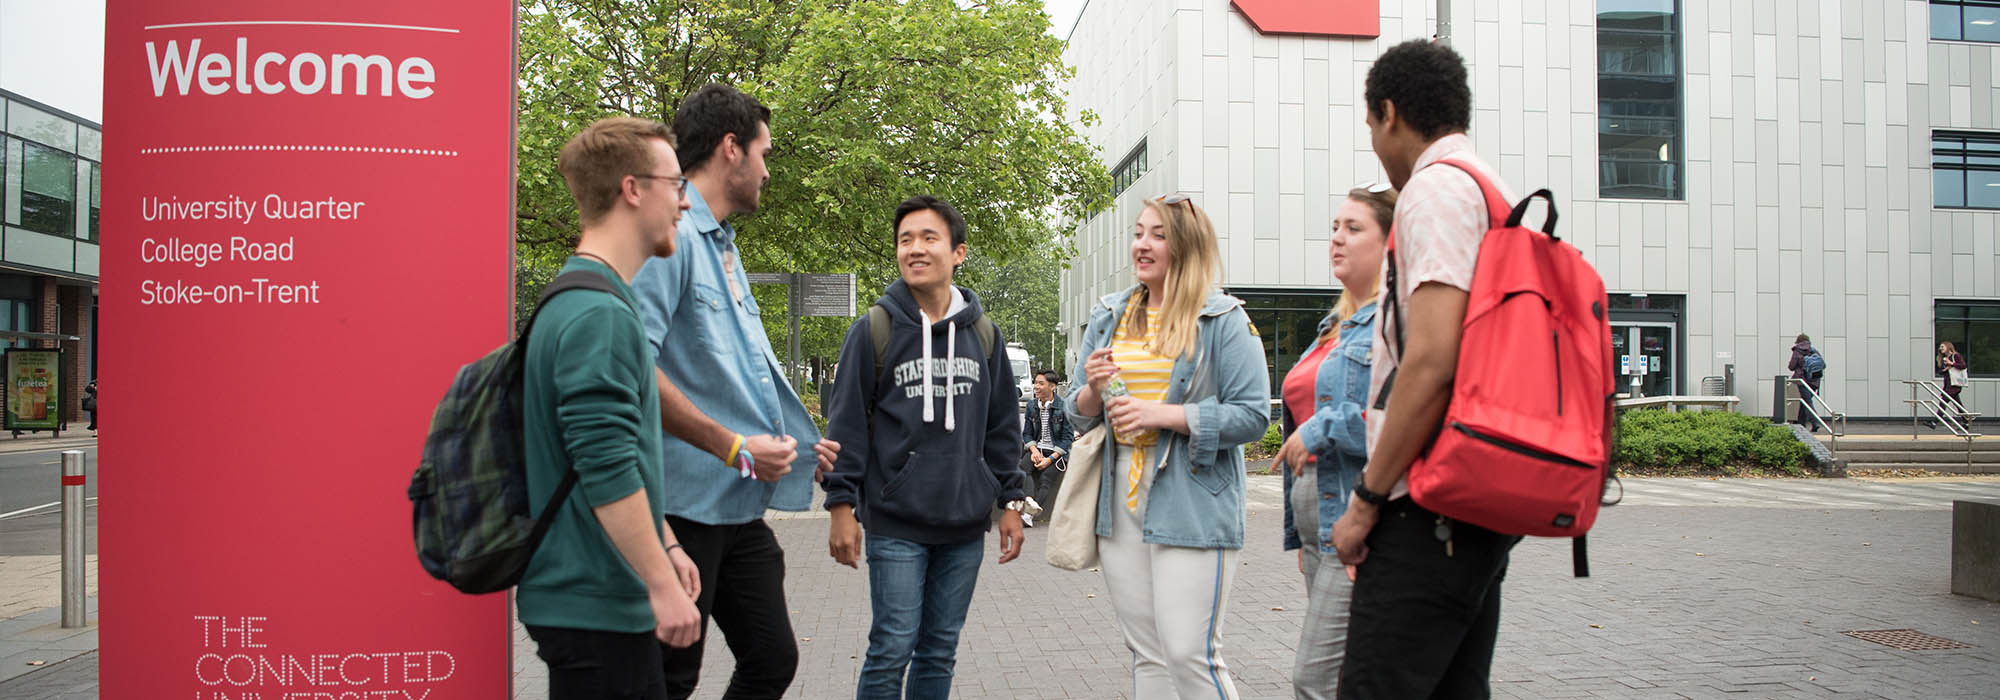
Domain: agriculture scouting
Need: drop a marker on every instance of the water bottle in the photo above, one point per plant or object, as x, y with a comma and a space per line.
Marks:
1114, 389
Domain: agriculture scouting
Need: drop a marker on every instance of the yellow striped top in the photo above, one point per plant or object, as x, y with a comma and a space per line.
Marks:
1145, 374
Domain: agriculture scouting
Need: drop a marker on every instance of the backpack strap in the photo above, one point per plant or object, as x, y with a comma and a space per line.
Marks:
984, 329
879, 325
574, 279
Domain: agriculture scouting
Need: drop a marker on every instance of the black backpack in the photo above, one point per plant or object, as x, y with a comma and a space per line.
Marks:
473, 524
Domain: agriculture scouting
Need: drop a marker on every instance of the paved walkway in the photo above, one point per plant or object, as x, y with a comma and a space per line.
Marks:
1702, 588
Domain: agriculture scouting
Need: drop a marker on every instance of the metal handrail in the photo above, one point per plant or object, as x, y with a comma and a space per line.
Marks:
1937, 405
1809, 396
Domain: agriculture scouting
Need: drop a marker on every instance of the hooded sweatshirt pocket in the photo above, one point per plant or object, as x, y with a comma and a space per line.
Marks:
937, 488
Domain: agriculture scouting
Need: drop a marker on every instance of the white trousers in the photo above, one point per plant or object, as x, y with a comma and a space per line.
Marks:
1170, 603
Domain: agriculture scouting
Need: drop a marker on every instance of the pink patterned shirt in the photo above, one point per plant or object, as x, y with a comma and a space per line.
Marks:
1440, 219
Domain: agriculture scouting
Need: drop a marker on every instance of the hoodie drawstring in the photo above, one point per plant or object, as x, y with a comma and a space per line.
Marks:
926, 319
950, 352
950, 356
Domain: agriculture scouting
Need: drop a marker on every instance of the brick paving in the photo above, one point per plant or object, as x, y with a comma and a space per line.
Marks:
1694, 595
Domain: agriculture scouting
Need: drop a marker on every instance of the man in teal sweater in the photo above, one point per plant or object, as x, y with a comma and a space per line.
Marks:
610, 582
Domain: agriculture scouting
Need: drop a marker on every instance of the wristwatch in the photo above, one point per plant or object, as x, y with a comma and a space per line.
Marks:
1370, 497
1017, 505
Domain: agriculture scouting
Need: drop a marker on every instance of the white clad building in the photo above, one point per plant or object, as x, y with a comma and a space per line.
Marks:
1739, 172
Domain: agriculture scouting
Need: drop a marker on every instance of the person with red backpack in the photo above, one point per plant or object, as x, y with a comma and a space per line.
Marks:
1425, 611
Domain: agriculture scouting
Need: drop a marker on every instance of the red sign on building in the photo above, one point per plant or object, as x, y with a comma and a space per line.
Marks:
1361, 18
307, 227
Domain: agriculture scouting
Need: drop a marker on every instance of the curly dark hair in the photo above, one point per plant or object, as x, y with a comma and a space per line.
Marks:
708, 114
1426, 81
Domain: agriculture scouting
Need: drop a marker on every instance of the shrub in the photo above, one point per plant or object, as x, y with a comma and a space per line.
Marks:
1716, 440
1267, 446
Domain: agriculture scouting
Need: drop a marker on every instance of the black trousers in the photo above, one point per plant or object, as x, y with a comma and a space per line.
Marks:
592, 664
1423, 622
743, 590
1804, 416
1044, 484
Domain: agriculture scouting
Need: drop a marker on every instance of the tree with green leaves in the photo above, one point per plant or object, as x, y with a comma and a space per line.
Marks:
871, 100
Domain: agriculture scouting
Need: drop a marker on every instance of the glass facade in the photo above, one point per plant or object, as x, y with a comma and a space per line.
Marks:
1966, 20
1972, 326
1129, 169
48, 190
1288, 321
1965, 170
52, 182
1639, 99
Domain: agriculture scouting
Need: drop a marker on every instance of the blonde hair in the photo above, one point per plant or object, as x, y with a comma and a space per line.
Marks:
1383, 205
1193, 272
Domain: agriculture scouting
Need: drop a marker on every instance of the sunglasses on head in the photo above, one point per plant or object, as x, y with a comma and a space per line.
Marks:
1172, 199
1375, 187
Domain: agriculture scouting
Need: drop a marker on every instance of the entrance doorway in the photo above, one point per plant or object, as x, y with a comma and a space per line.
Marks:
1646, 335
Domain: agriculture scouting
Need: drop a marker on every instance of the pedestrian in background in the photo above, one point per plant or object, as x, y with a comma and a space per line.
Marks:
1809, 366
1951, 367
1326, 439
1049, 436
90, 402
1171, 504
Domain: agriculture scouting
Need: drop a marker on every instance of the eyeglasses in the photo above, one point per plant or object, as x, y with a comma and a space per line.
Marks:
1172, 199
1375, 187
680, 181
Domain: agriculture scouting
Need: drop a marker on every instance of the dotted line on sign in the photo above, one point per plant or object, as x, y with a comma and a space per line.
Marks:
303, 148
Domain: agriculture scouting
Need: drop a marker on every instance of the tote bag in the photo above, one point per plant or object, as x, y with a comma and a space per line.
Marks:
1072, 538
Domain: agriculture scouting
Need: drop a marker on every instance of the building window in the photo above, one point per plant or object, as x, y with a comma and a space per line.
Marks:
1638, 99
48, 190
1974, 328
1129, 169
96, 196
1966, 20
17, 310
1965, 170
1288, 322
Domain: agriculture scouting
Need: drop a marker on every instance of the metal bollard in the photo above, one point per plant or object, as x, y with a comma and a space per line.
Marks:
72, 538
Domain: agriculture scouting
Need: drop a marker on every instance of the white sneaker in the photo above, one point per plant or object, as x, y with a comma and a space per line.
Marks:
1027, 520
1033, 507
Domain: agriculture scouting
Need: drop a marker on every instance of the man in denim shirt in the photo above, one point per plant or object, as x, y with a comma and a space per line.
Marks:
705, 328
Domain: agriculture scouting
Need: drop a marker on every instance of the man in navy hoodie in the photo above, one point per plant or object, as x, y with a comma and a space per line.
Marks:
930, 444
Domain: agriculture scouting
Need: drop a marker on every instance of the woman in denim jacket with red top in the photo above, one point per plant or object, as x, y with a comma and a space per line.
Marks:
1324, 453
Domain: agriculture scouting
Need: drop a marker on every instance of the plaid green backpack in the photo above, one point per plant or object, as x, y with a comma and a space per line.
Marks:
474, 527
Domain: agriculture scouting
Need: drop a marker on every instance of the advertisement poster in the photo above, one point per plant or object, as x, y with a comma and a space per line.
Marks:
34, 389
307, 229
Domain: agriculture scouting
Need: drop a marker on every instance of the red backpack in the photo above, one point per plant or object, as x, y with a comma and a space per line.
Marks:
1525, 447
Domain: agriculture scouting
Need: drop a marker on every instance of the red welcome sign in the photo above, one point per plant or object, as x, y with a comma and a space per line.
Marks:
307, 227
1361, 18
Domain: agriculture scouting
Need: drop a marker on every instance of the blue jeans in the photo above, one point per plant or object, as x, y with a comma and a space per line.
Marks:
920, 593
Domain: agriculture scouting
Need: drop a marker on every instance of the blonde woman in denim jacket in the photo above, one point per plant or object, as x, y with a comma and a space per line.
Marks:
1171, 504
1325, 394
